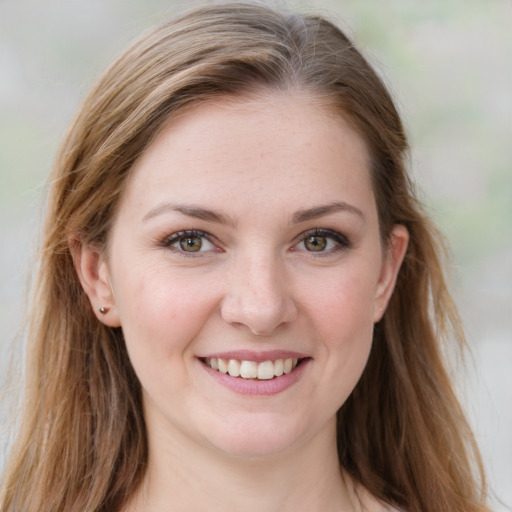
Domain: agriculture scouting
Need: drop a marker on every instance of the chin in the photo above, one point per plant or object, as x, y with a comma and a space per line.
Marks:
257, 438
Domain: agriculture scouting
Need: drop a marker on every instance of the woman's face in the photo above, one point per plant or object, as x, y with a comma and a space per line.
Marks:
247, 240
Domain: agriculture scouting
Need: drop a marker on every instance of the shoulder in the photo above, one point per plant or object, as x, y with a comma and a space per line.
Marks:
366, 502
363, 501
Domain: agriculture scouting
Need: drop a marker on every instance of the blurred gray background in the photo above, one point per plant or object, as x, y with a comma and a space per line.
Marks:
449, 63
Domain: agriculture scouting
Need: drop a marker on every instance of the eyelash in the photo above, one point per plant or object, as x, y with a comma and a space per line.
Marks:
341, 241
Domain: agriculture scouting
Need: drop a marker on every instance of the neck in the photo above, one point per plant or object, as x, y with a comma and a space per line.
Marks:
192, 478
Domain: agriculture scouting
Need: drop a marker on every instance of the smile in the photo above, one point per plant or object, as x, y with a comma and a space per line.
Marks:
245, 369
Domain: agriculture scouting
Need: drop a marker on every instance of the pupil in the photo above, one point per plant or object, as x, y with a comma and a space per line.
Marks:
191, 243
315, 243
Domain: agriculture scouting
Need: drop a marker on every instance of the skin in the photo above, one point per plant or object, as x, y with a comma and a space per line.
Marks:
258, 163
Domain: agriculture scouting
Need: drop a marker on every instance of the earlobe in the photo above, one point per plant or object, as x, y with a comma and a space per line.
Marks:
93, 273
392, 260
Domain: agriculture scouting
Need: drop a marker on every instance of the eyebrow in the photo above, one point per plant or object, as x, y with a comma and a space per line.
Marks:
320, 211
197, 212
190, 210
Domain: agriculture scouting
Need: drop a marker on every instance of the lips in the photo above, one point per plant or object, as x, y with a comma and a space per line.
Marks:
253, 373
250, 369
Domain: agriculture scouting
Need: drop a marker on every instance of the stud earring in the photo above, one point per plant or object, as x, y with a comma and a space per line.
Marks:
103, 310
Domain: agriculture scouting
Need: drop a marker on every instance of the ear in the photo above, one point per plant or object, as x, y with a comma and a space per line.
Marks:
92, 269
393, 256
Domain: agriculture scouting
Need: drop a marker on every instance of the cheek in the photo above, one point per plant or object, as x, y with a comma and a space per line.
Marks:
163, 311
342, 314
346, 329
161, 316
345, 301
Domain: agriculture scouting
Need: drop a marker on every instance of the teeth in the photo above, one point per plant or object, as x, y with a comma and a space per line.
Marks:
266, 370
248, 369
289, 365
223, 365
252, 370
233, 368
279, 367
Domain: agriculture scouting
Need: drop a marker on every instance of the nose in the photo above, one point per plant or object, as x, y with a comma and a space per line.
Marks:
258, 296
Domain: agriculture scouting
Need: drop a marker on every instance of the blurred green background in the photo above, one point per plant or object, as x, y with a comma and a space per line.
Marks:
449, 64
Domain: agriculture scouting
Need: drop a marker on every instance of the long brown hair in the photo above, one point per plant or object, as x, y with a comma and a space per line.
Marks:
82, 443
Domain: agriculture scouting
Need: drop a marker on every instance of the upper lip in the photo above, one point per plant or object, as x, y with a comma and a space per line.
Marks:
256, 356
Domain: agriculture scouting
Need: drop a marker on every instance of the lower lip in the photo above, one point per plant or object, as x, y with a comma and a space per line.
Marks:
255, 387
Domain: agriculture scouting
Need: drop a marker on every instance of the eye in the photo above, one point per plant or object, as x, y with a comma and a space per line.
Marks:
189, 242
316, 243
322, 241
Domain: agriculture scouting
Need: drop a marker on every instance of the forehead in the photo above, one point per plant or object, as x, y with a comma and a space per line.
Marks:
275, 148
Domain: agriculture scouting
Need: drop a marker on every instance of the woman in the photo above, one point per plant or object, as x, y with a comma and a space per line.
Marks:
240, 303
